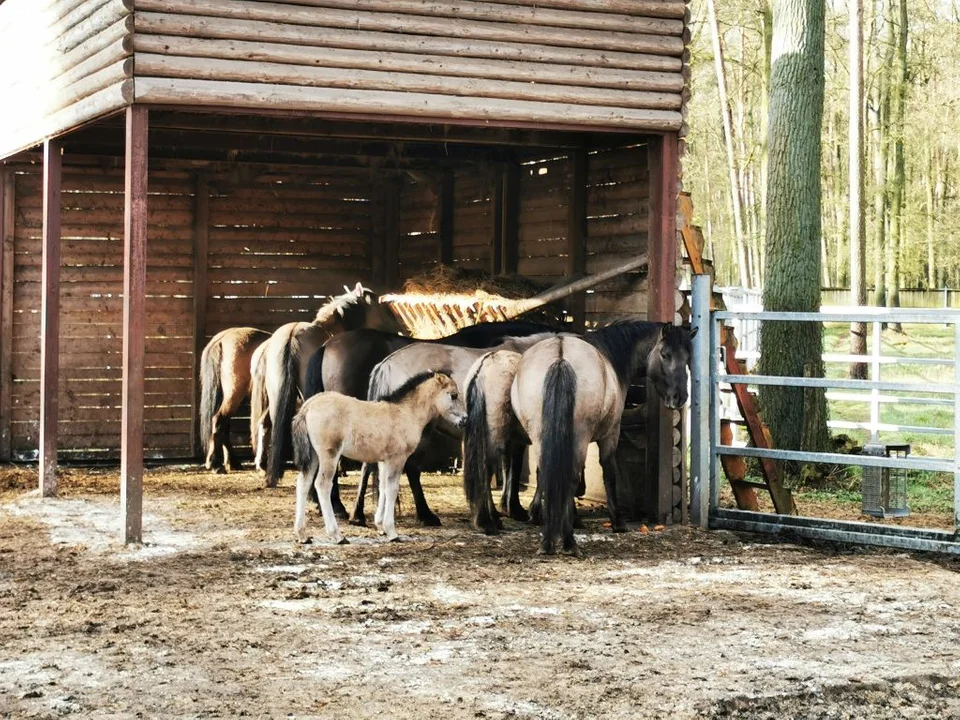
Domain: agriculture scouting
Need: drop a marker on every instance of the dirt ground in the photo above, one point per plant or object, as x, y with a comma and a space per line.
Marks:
221, 614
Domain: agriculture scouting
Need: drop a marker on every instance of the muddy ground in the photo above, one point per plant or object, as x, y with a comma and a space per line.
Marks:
221, 614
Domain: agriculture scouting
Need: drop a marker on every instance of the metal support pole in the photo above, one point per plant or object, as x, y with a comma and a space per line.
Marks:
700, 402
956, 426
50, 318
714, 411
875, 376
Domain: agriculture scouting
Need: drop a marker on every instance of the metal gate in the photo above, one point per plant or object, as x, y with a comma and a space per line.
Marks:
707, 377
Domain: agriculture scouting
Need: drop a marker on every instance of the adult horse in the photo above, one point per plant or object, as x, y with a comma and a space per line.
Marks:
409, 361
345, 363
331, 425
569, 392
282, 368
224, 385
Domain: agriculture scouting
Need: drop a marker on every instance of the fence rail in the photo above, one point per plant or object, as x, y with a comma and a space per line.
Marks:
707, 376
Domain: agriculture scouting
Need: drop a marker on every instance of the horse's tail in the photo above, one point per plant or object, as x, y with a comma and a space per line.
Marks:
377, 387
211, 391
258, 395
302, 447
314, 381
555, 469
280, 446
476, 471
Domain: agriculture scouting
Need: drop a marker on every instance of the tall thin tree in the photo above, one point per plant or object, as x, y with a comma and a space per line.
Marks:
898, 183
796, 417
858, 232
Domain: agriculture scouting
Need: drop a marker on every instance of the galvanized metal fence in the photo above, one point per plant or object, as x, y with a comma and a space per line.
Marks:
706, 448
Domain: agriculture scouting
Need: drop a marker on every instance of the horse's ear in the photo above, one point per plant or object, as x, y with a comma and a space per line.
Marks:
664, 329
347, 290
358, 289
694, 331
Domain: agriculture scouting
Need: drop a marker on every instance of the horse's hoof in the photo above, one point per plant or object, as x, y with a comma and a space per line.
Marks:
394, 539
489, 529
546, 551
221, 470
305, 541
619, 528
340, 513
430, 520
360, 521
343, 541
573, 551
577, 522
519, 514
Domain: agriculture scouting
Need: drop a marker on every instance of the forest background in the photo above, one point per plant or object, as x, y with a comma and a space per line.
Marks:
911, 50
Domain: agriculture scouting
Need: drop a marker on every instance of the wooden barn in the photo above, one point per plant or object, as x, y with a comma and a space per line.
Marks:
169, 168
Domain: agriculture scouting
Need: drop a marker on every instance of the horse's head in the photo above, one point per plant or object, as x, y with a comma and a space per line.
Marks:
668, 362
357, 308
449, 403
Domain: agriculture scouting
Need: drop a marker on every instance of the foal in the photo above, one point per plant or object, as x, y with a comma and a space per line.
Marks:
385, 432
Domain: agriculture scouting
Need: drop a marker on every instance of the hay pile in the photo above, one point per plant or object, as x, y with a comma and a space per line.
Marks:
445, 280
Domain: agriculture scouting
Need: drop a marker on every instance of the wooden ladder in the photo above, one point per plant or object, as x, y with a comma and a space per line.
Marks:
735, 468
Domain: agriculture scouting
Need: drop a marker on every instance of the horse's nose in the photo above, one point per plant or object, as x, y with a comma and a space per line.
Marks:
462, 421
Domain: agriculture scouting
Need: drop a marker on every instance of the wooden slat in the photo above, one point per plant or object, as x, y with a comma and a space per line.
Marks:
447, 215
7, 249
209, 93
50, 319
668, 42
134, 321
201, 242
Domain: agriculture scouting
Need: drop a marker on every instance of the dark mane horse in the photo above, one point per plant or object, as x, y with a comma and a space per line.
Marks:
569, 392
280, 376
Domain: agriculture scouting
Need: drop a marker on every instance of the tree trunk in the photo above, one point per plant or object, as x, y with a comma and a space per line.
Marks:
794, 225
880, 190
928, 186
767, 29
897, 188
858, 234
735, 196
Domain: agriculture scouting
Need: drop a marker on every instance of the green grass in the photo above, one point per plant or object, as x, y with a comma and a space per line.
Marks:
930, 495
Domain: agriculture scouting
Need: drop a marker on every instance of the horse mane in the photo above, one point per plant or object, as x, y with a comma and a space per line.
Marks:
618, 342
342, 305
484, 335
410, 385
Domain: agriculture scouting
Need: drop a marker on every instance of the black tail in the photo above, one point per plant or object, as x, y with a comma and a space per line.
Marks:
314, 381
555, 470
302, 447
211, 391
280, 446
258, 396
476, 471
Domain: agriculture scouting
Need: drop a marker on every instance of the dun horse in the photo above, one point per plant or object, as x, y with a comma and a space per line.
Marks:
570, 392
283, 367
493, 442
386, 432
406, 362
224, 385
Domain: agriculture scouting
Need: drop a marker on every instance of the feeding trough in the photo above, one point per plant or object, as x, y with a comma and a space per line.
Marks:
884, 490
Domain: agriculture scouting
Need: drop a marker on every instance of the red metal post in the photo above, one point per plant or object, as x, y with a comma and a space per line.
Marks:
664, 161
50, 318
134, 322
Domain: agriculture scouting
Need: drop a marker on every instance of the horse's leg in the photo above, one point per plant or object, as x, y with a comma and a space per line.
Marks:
425, 515
381, 499
228, 462
389, 489
263, 439
568, 540
304, 483
357, 517
611, 478
324, 486
510, 501
485, 515
213, 455
336, 502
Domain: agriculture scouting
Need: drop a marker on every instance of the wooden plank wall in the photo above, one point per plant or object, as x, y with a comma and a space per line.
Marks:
279, 244
91, 307
473, 218
73, 64
419, 226
612, 65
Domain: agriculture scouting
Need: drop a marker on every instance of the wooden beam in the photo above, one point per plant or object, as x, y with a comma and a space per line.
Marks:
134, 322
447, 211
577, 236
510, 218
50, 318
496, 250
664, 171
391, 232
7, 211
201, 236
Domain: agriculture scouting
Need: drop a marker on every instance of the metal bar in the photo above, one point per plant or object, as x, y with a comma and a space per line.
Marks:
787, 381
875, 375
836, 531
134, 322
956, 427
913, 463
884, 314
700, 402
885, 359
50, 318
888, 427
889, 399
714, 362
